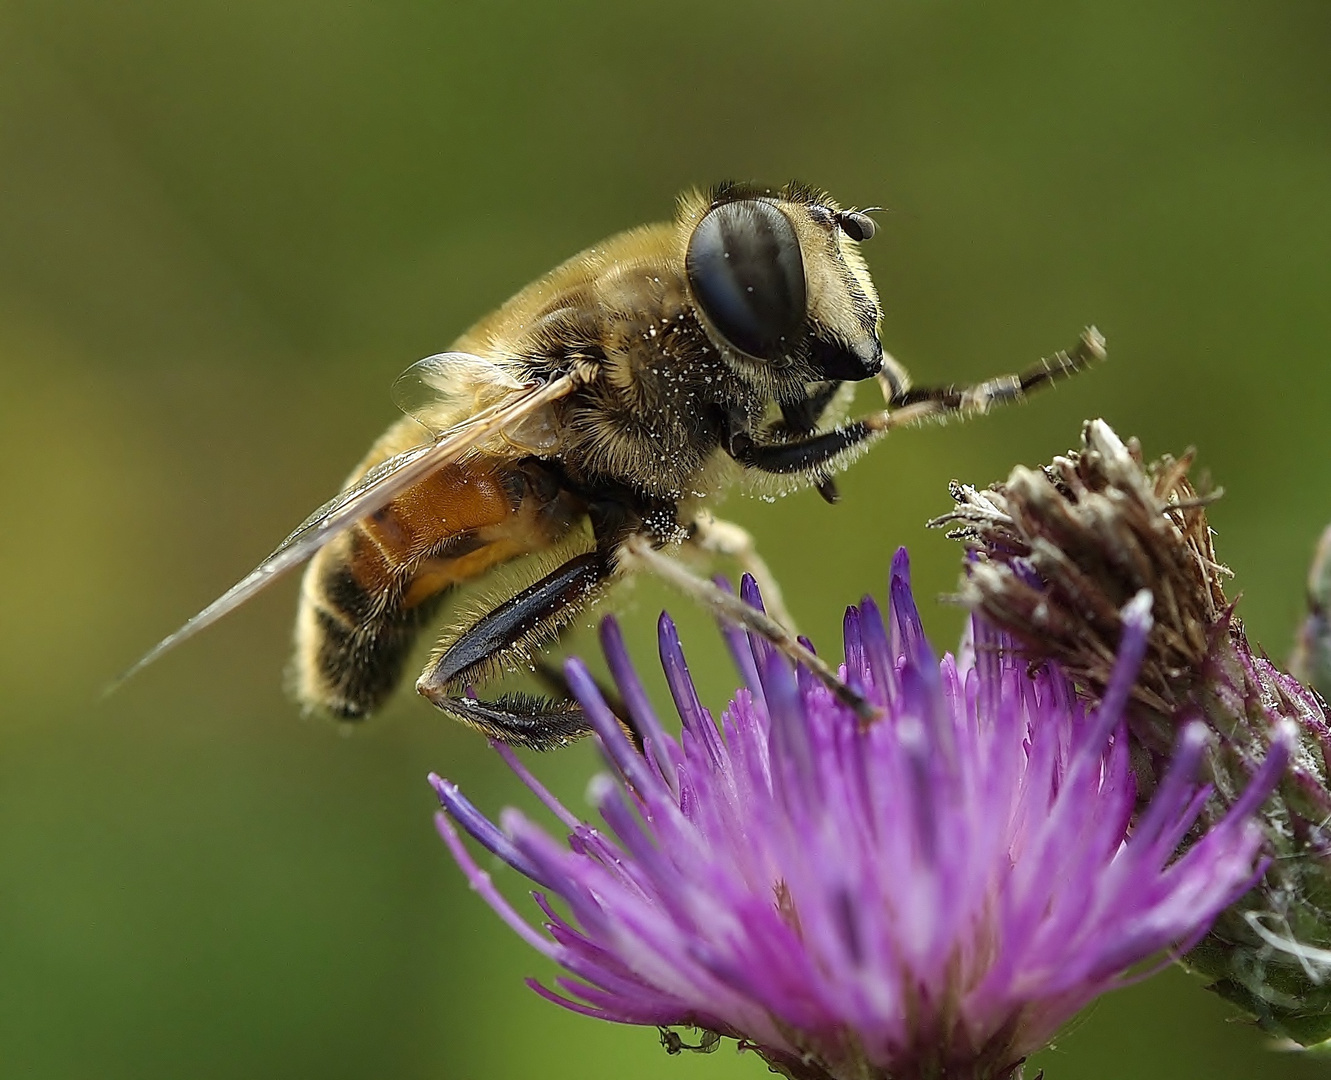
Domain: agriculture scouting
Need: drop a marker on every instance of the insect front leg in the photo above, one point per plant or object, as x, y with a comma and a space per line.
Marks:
801, 418
925, 402
830, 449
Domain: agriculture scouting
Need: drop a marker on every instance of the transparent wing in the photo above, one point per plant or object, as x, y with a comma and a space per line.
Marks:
443, 389
370, 493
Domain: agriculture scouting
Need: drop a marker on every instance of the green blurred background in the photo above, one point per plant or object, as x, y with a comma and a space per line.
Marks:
224, 229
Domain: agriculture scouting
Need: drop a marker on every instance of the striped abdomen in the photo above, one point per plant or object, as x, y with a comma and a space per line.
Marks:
367, 595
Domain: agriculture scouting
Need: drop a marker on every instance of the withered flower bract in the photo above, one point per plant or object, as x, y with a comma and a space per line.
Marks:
932, 894
1054, 554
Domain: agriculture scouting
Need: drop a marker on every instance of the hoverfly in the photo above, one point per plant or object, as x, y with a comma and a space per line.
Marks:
595, 415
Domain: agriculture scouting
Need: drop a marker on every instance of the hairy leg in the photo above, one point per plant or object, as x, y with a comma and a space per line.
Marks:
713, 536
828, 449
640, 551
515, 627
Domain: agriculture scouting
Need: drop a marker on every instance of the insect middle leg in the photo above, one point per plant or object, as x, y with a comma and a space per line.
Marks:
542, 723
728, 606
716, 537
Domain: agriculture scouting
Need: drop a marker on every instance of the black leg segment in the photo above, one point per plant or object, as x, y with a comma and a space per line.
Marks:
817, 451
798, 455
539, 611
527, 720
799, 418
542, 607
532, 617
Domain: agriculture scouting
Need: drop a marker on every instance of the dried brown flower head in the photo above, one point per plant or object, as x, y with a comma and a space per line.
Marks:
1055, 553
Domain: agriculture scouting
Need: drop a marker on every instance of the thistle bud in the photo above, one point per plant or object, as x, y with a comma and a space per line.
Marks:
1055, 554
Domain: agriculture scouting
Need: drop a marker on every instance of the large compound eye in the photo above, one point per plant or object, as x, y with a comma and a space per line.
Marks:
747, 273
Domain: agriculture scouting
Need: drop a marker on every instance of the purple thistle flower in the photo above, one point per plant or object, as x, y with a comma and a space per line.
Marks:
933, 894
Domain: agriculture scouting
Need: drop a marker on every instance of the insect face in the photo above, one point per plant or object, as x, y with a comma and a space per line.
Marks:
780, 284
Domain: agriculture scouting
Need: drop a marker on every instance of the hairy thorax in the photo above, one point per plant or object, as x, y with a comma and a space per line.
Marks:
654, 419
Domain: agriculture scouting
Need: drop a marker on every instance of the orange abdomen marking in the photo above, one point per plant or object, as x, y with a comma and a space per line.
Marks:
373, 589
370, 592
433, 532
457, 498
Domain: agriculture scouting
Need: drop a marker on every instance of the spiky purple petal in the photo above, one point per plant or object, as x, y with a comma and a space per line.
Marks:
939, 890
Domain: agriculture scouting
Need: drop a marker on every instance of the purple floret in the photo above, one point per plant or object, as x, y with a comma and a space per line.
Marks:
936, 892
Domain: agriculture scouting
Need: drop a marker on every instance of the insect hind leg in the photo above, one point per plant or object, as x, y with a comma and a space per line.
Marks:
534, 721
527, 720
538, 612
552, 677
535, 615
